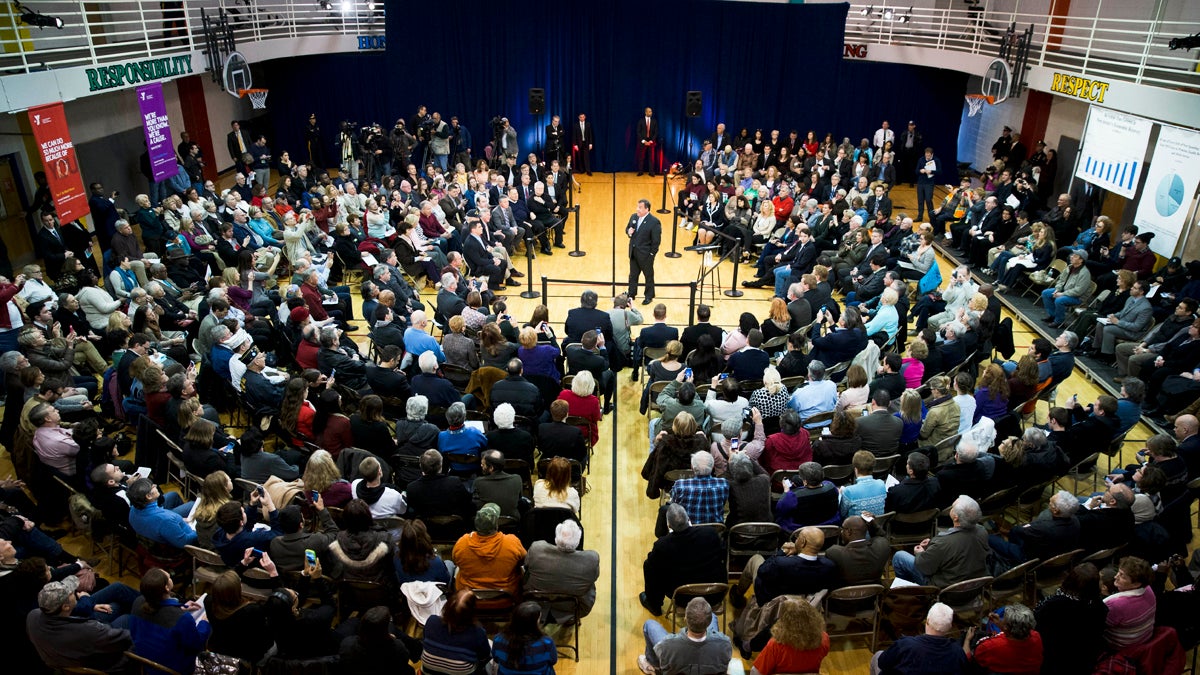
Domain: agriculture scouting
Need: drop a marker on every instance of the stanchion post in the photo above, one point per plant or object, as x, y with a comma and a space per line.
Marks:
545, 286
529, 293
662, 208
674, 233
577, 253
691, 303
734, 291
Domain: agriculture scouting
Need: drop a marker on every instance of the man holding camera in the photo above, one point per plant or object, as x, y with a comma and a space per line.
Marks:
439, 141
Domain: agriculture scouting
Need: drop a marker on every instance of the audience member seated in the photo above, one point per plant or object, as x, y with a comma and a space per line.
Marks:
538, 358
66, 641
383, 499
866, 493
297, 536
361, 552
258, 466
815, 396
789, 448
1107, 519
749, 362
955, 555
590, 355
454, 642
860, 559
322, 476
889, 378
235, 527
880, 430
582, 402
749, 491
798, 641
797, 568
497, 486
331, 428
520, 393
1131, 610
942, 420
699, 647
554, 488
967, 474
163, 629
1070, 621
672, 450
563, 568
686, 555
556, 438
154, 522
1042, 539
461, 439
373, 650
206, 449
417, 559
841, 442
1016, 647
812, 501
237, 624
514, 442
487, 558
932, 652
703, 496
300, 632
436, 493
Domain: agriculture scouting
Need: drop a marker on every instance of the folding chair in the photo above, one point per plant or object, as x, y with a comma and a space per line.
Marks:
851, 605
689, 591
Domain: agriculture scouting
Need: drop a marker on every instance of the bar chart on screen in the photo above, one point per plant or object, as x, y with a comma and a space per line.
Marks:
1114, 150
1123, 174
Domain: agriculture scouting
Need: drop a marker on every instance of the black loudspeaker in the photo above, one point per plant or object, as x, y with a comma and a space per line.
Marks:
695, 103
537, 101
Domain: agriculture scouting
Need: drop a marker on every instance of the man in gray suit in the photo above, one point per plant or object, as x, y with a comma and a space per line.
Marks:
563, 568
1129, 324
860, 560
645, 235
880, 430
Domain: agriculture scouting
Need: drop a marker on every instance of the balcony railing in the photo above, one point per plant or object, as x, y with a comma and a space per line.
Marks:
97, 33
1130, 50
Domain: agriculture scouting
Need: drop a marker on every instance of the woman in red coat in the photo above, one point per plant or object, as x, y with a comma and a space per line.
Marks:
581, 398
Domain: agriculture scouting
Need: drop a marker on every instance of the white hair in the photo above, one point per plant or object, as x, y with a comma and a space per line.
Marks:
967, 451
856, 220
1064, 502
428, 362
812, 203
567, 536
504, 416
940, 617
702, 463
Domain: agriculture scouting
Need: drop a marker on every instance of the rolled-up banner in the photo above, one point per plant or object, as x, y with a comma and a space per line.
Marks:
158, 130
49, 124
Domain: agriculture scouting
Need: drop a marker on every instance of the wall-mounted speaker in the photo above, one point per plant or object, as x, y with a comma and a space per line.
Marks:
695, 103
537, 101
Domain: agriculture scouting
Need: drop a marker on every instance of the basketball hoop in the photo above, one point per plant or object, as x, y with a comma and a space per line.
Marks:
258, 97
975, 103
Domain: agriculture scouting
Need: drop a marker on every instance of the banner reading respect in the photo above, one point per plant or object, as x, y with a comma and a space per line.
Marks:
49, 124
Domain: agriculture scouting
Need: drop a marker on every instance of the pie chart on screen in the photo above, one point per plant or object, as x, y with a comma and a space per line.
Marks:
1169, 196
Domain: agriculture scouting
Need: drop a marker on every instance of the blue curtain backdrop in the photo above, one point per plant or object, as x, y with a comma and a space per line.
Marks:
610, 60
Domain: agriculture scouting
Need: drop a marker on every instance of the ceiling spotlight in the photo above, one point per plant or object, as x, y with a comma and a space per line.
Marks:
32, 18
887, 14
865, 11
906, 17
347, 6
325, 5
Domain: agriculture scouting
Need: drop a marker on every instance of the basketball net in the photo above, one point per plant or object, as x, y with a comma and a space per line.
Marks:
975, 103
258, 97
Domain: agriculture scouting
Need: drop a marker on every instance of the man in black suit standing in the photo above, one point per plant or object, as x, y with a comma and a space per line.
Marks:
50, 244
556, 138
583, 139
647, 140
645, 235
237, 141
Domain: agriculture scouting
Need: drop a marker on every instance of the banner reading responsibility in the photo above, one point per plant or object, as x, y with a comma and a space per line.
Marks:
1170, 186
49, 124
158, 130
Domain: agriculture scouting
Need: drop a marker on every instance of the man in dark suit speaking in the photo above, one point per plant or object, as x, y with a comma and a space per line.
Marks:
645, 234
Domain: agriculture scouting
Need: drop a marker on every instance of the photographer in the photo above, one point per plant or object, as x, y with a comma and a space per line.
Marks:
402, 144
460, 143
419, 125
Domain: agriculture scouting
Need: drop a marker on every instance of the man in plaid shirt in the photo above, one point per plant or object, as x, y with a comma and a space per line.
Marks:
703, 497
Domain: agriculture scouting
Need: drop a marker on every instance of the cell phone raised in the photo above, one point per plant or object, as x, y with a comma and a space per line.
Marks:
310, 556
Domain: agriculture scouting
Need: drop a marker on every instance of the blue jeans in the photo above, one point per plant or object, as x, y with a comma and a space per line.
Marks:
852, 299
37, 543
172, 501
1006, 549
905, 565
442, 161
655, 633
783, 279
1057, 307
119, 596
999, 263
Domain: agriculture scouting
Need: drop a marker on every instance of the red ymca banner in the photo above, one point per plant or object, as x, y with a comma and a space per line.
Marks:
49, 124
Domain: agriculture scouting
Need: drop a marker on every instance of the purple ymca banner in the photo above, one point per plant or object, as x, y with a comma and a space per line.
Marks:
158, 131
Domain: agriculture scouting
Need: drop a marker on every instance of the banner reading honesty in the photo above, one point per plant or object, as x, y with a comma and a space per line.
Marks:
49, 124
1170, 185
158, 131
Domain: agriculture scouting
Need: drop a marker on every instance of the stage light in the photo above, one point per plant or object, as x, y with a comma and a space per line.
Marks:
347, 6
1189, 42
906, 17
865, 11
32, 18
887, 14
